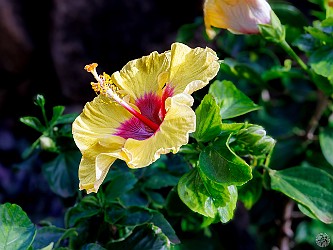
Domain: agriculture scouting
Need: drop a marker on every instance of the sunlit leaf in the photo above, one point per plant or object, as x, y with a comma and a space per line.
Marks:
232, 101
309, 186
159, 220
57, 112
326, 143
208, 120
206, 197
221, 165
226, 212
33, 122
17, 231
321, 62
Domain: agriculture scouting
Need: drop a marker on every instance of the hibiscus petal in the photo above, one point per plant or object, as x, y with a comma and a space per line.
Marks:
95, 165
93, 134
172, 134
238, 16
188, 65
98, 121
141, 76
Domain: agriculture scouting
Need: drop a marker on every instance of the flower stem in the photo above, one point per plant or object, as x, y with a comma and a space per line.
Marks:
293, 55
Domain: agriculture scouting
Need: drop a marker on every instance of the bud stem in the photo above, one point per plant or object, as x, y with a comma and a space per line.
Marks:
293, 55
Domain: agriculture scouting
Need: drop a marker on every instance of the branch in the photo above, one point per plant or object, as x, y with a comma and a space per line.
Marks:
286, 231
314, 121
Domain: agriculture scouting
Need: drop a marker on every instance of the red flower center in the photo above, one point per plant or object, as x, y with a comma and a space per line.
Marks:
152, 107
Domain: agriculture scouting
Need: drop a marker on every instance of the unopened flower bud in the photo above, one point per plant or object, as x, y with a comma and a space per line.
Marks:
47, 144
254, 140
238, 16
273, 31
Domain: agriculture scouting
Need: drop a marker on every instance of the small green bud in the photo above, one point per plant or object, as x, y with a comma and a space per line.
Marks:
274, 31
40, 100
254, 140
47, 144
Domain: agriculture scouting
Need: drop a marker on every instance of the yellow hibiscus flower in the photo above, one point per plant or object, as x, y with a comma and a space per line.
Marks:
238, 16
142, 111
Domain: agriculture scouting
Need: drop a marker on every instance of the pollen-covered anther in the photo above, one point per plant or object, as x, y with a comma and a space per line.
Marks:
96, 87
91, 67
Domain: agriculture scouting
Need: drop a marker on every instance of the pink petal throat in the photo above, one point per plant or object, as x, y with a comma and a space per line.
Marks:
144, 125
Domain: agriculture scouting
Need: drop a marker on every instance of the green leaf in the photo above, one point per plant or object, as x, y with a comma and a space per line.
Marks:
120, 183
222, 165
86, 208
206, 197
159, 220
278, 72
289, 14
326, 143
155, 198
232, 127
174, 205
133, 197
311, 187
114, 213
66, 119
187, 31
321, 61
48, 247
307, 230
61, 173
17, 231
135, 216
193, 193
226, 213
144, 237
250, 192
219, 192
306, 43
208, 120
92, 246
33, 122
323, 35
328, 22
247, 72
57, 112
161, 180
50, 234
232, 101
306, 211
46, 235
